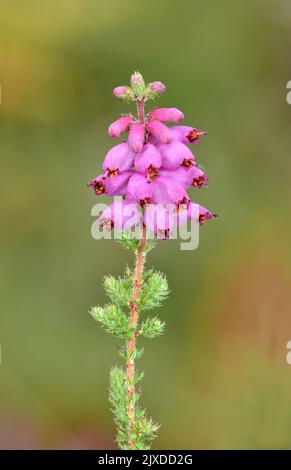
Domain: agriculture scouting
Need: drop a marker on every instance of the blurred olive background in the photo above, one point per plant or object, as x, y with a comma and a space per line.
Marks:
218, 378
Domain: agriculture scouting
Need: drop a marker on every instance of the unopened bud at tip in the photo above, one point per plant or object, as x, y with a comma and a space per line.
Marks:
121, 92
137, 85
157, 87
136, 79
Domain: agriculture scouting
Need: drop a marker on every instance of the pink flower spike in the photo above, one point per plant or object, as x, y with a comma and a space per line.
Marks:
139, 189
159, 130
118, 127
121, 92
167, 114
148, 161
176, 154
120, 215
119, 158
186, 135
136, 137
157, 87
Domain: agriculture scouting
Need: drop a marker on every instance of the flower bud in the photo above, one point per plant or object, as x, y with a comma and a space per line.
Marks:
119, 126
136, 137
157, 87
167, 114
159, 130
121, 92
138, 85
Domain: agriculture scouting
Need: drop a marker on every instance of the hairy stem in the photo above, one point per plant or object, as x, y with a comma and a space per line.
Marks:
140, 110
131, 343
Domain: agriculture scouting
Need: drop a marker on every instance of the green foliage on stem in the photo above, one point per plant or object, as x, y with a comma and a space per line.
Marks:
118, 400
115, 318
130, 243
154, 290
143, 431
112, 319
118, 290
151, 328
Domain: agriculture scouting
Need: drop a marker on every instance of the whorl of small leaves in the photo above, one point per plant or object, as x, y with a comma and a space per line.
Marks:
128, 241
137, 353
119, 290
112, 319
154, 291
150, 245
151, 328
144, 430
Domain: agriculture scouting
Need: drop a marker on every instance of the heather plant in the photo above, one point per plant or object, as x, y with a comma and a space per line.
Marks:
151, 170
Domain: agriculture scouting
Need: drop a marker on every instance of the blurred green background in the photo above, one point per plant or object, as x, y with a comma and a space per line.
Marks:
218, 378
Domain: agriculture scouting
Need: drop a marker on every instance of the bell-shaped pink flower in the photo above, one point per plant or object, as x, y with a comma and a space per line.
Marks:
157, 87
118, 127
139, 189
176, 154
205, 214
200, 215
187, 177
198, 177
159, 131
112, 186
136, 137
167, 114
121, 92
117, 185
119, 158
120, 215
159, 220
148, 161
167, 191
186, 135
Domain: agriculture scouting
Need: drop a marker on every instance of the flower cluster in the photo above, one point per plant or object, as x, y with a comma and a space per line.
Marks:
153, 168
